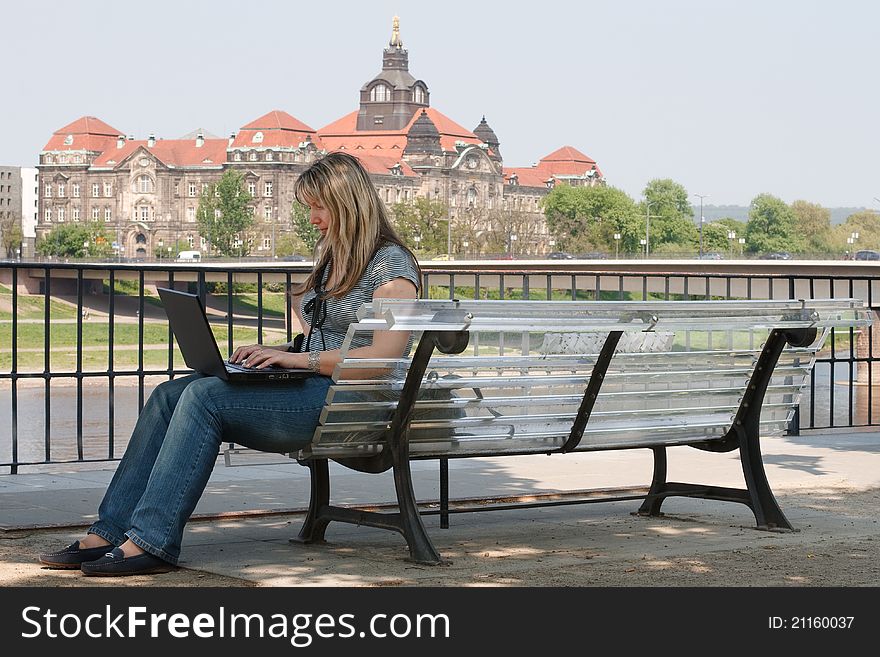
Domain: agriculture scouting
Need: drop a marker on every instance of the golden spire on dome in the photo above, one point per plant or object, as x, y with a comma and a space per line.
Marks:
395, 42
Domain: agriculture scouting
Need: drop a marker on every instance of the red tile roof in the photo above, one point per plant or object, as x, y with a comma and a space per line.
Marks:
171, 152
568, 161
280, 130
565, 161
382, 164
528, 176
343, 135
85, 134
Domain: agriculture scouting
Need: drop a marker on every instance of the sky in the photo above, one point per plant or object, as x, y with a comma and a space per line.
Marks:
729, 98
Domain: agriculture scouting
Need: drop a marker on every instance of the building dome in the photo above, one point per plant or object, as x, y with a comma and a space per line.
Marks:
488, 136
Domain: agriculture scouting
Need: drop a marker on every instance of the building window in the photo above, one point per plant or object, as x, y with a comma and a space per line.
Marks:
76, 214
74, 189
190, 214
269, 156
177, 188
258, 138
252, 188
48, 214
267, 243
61, 190
217, 214
268, 189
380, 94
419, 94
143, 212
60, 214
48, 159
252, 156
108, 190
144, 185
96, 190
192, 190
267, 212
48, 193
108, 214
236, 157
95, 214
190, 240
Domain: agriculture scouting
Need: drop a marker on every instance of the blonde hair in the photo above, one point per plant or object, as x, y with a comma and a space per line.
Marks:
359, 221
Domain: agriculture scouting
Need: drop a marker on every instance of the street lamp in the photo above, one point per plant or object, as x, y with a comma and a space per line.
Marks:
644, 243
616, 245
510, 243
85, 248
702, 220
731, 235
464, 246
417, 238
161, 244
742, 241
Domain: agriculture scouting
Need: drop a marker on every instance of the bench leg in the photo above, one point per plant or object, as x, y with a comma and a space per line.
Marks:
444, 492
315, 524
763, 503
652, 503
421, 549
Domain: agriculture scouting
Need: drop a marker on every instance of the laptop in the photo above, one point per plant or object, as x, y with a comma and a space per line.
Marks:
199, 348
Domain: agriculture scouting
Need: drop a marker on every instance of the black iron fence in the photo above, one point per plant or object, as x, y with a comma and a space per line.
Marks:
83, 344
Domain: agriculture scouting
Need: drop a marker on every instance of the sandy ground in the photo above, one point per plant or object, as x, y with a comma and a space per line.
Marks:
838, 545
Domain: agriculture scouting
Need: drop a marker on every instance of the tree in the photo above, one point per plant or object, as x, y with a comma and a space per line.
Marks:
75, 241
772, 226
426, 219
866, 223
672, 216
305, 235
223, 215
814, 223
11, 234
584, 219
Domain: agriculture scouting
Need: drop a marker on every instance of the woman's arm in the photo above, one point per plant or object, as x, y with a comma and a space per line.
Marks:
386, 344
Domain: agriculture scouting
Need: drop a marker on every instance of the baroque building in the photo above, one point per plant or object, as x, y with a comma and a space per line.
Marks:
146, 191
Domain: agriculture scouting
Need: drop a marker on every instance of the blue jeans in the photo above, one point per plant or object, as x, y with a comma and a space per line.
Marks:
175, 444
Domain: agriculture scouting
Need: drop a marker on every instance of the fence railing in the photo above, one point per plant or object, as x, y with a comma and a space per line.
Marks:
83, 344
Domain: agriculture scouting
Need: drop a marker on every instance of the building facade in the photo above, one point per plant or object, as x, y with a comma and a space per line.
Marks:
18, 211
146, 192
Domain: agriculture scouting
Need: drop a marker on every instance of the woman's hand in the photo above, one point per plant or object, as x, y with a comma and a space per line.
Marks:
244, 353
272, 357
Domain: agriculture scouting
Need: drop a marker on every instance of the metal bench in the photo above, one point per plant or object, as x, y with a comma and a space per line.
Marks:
490, 378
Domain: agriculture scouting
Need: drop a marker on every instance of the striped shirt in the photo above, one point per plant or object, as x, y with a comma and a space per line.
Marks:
389, 262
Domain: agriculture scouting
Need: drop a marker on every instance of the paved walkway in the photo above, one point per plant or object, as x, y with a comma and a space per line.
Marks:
827, 483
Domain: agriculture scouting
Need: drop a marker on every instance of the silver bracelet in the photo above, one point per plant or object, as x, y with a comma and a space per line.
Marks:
315, 361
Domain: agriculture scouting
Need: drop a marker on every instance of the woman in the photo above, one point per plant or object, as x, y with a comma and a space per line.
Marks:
178, 434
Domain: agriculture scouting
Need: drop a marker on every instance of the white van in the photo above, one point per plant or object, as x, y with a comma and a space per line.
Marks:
189, 256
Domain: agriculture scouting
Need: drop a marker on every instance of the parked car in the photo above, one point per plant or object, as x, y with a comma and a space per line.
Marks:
189, 256
711, 256
777, 255
867, 254
593, 255
559, 255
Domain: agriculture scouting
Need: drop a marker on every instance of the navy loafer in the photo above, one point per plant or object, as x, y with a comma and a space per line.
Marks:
116, 564
73, 556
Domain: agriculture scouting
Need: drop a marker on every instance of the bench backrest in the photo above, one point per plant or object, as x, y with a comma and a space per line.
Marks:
677, 375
